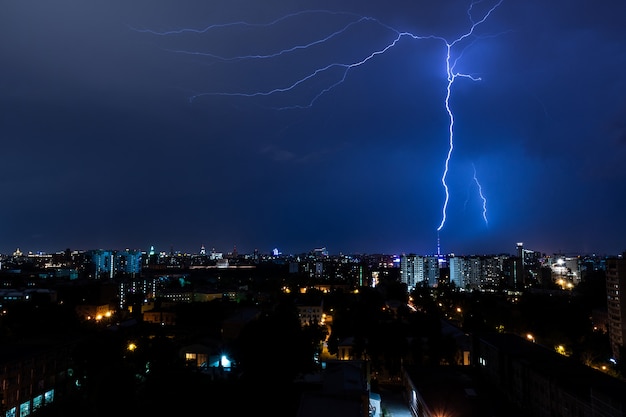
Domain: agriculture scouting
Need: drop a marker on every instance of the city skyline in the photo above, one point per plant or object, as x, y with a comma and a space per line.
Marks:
296, 126
273, 252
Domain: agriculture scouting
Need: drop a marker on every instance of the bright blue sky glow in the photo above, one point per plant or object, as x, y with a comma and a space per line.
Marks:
104, 149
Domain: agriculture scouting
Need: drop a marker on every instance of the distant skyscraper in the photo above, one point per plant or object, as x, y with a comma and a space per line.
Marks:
518, 277
616, 303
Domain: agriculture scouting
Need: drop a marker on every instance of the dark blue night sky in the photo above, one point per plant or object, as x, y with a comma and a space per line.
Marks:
229, 124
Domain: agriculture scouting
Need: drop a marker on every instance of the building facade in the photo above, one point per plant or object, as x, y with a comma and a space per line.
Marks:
543, 383
33, 377
616, 303
419, 270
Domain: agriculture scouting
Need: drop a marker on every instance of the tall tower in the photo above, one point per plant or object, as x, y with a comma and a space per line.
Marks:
518, 280
616, 303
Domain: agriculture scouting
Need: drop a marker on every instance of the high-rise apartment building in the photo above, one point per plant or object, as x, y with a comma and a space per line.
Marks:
422, 270
409, 270
431, 269
616, 303
476, 272
458, 271
109, 262
518, 272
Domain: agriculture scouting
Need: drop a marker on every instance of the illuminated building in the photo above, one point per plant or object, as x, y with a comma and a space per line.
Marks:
476, 272
203, 358
160, 316
518, 277
458, 271
431, 269
128, 261
422, 270
93, 311
8, 296
409, 270
566, 271
107, 262
103, 262
311, 312
34, 376
616, 303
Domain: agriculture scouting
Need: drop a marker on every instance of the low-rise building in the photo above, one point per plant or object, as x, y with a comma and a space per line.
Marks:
93, 311
544, 383
33, 376
162, 316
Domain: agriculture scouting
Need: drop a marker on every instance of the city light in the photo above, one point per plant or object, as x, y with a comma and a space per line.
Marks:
224, 361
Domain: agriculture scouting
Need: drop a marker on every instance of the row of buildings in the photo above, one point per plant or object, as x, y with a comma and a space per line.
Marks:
495, 272
523, 268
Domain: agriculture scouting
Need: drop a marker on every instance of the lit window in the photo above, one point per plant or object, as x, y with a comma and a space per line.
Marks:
25, 409
37, 402
49, 396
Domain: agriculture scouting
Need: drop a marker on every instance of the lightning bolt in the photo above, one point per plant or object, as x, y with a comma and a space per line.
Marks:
452, 76
482, 196
451, 59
